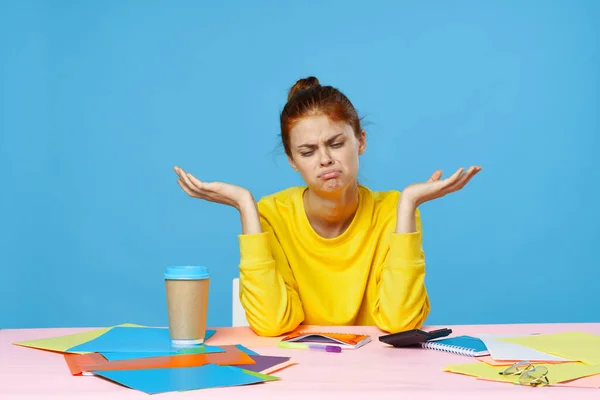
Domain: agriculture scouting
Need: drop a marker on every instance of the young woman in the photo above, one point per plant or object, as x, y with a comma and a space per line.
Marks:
331, 252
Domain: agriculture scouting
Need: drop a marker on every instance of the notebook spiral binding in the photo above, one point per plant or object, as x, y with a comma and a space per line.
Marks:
448, 348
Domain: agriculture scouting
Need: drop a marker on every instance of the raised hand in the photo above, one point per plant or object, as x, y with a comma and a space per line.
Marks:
435, 187
216, 192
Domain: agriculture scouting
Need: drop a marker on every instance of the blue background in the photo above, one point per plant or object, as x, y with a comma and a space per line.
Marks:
100, 99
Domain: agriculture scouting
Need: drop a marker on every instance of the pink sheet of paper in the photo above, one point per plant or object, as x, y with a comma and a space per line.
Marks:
587, 382
243, 335
352, 375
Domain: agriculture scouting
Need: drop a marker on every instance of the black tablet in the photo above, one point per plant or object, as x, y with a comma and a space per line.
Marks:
413, 338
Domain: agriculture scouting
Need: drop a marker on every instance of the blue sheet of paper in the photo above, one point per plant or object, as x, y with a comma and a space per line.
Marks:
116, 356
160, 380
132, 340
246, 350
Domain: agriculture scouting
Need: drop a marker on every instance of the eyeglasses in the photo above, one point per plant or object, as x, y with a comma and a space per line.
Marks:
529, 374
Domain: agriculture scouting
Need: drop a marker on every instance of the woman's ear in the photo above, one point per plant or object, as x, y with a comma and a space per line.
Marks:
362, 142
292, 163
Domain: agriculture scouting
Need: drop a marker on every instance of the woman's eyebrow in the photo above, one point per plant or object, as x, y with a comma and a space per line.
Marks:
312, 146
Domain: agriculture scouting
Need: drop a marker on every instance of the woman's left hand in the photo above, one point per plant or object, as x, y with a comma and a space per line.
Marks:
419, 193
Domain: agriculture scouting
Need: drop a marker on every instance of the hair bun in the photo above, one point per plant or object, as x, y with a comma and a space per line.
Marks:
303, 84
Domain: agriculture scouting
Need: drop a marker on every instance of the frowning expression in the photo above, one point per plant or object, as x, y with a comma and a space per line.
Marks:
326, 153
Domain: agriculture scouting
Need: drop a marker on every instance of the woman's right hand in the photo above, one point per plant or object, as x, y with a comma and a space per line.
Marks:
217, 192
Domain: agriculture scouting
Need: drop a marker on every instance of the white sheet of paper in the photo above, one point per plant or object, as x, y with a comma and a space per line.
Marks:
503, 351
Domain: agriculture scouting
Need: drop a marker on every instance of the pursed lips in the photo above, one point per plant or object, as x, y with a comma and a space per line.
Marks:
329, 174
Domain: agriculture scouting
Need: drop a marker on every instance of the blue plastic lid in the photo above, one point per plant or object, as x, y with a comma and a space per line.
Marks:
187, 272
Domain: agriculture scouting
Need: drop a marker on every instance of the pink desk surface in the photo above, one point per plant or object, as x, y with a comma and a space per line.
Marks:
375, 371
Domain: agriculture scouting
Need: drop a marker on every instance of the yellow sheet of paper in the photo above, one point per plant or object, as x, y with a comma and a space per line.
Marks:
481, 370
62, 343
580, 346
556, 372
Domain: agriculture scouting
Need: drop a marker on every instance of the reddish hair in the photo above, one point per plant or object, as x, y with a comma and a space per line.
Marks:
308, 98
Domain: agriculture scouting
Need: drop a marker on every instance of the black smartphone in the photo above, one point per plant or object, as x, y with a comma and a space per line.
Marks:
413, 338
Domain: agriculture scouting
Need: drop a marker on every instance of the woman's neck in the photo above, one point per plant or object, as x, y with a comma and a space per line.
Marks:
331, 216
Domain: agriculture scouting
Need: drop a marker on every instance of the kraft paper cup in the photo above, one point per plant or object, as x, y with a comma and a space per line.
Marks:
187, 304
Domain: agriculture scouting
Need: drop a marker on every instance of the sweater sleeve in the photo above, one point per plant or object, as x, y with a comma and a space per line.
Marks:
402, 301
268, 289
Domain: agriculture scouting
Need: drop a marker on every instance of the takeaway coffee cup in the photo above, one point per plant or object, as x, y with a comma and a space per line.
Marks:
187, 304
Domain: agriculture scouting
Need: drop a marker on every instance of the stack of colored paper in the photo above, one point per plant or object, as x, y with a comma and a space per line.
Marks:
571, 358
143, 358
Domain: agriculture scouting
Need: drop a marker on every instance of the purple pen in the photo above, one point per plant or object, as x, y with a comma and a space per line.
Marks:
327, 348
311, 346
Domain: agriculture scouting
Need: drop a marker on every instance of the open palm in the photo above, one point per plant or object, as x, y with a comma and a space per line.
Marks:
216, 192
435, 187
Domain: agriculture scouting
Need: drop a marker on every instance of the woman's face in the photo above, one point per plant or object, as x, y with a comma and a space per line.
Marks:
325, 153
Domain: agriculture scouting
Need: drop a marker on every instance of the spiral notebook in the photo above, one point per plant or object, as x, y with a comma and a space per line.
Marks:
344, 340
463, 345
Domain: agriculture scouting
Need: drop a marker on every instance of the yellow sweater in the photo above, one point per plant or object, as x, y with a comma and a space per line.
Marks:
369, 275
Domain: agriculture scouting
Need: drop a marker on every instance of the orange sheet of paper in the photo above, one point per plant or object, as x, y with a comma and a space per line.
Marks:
489, 360
278, 367
79, 363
